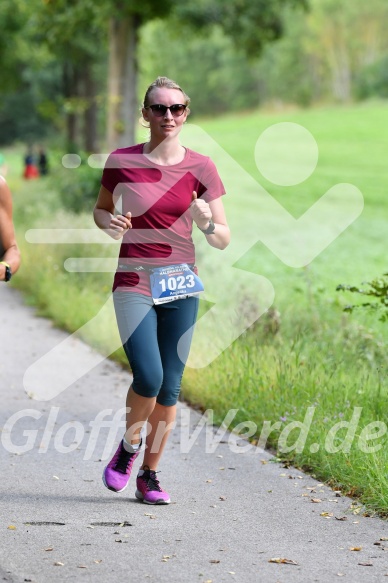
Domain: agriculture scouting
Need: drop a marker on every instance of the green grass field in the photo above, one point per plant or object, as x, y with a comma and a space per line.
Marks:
305, 352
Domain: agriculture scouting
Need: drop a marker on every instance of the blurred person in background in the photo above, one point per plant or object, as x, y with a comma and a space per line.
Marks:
30, 168
42, 162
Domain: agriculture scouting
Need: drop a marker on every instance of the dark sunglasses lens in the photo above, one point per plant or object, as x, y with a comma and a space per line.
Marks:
177, 110
158, 109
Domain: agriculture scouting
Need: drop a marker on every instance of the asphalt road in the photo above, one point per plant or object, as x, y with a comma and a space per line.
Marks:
232, 510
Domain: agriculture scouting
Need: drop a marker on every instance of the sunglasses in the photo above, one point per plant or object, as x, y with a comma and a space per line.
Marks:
160, 110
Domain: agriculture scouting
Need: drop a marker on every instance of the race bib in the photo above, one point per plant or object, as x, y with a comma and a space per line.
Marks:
174, 282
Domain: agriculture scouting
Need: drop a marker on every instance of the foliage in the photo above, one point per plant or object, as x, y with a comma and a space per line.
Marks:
372, 80
78, 188
251, 24
231, 81
378, 288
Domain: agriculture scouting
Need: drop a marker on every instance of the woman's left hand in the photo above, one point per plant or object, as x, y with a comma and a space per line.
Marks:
200, 212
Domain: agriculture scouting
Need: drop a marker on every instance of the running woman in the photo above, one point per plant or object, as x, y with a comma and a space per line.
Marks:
162, 188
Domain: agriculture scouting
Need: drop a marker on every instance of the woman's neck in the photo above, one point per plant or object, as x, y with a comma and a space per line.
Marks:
165, 153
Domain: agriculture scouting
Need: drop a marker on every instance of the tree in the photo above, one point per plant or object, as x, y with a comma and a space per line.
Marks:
347, 36
72, 31
124, 18
251, 23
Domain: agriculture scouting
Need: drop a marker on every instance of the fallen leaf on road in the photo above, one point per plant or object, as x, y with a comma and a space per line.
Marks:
49, 549
222, 497
341, 517
283, 561
326, 514
98, 561
11, 527
55, 477
214, 561
82, 566
384, 538
209, 481
366, 564
58, 564
355, 548
316, 500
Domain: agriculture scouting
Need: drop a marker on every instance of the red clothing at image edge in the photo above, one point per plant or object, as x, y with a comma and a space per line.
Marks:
158, 198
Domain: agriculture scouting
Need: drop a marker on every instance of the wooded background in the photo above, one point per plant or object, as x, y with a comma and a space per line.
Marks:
77, 70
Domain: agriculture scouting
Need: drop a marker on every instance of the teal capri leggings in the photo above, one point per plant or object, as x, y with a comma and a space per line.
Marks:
152, 339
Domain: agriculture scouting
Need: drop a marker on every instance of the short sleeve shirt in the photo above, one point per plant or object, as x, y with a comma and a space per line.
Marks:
158, 198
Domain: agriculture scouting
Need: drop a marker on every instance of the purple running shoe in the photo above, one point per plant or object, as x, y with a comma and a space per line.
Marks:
117, 472
149, 490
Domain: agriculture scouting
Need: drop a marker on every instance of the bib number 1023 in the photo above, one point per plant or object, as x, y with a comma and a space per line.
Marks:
174, 282
180, 282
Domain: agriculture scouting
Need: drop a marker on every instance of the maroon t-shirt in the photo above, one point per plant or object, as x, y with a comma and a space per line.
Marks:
158, 198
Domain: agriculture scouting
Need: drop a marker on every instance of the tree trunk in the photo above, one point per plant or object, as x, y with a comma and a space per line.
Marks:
71, 84
122, 82
90, 114
341, 75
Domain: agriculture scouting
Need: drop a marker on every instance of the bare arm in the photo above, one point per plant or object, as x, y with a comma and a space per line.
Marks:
7, 232
202, 212
104, 217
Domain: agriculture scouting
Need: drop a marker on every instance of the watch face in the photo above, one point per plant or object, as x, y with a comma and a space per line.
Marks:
210, 228
8, 273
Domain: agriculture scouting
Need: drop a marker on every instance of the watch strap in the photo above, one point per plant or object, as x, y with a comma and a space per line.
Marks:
8, 272
210, 229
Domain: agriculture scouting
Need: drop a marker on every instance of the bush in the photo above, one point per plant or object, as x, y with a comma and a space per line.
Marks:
78, 187
372, 81
377, 288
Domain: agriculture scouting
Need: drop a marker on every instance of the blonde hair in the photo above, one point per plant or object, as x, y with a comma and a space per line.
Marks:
168, 84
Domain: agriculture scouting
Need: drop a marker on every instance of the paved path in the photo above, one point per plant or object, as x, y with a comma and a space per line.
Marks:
231, 512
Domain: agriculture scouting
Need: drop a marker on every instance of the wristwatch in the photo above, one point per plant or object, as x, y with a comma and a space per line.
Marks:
8, 271
210, 229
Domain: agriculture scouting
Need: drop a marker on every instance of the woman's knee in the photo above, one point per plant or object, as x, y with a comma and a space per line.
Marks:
168, 397
147, 385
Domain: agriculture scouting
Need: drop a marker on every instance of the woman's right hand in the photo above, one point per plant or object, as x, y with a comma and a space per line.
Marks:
119, 225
